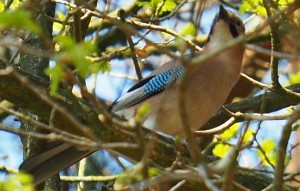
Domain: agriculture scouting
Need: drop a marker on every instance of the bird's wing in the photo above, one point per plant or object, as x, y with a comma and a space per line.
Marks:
147, 87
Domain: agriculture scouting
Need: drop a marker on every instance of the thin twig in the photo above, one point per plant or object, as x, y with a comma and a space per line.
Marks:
255, 82
60, 110
216, 130
41, 125
282, 149
275, 44
274, 53
88, 178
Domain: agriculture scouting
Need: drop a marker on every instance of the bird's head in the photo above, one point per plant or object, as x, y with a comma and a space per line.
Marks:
226, 26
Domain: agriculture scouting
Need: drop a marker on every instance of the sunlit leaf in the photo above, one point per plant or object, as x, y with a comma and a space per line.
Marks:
65, 42
188, 29
152, 172
260, 10
77, 55
61, 17
143, 110
269, 148
56, 74
245, 7
18, 182
248, 135
19, 19
285, 2
103, 67
293, 78
231, 132
130, 175
15, 4
220, 150
72, 54
1, 6
142, 3
167, 5
257, 6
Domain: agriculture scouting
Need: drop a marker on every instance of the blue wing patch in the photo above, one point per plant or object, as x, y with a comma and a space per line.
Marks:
159, 82
147, 88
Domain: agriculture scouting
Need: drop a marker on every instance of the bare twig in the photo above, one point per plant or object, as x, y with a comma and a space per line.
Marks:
275, 41
285, 136
216, 130
88, 178
255, 82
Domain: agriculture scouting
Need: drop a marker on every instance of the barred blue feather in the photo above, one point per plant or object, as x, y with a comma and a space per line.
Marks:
163, 80
147, 88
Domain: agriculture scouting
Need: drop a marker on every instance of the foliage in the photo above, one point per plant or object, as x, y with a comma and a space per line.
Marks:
158, 5
19, 19
17, 182
257, 6
268, 146
72, 54
135, 174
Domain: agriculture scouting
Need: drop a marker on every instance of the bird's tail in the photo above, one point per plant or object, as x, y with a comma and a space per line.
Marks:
50, 162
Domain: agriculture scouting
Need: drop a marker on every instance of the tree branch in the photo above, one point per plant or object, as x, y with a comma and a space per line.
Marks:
164, 150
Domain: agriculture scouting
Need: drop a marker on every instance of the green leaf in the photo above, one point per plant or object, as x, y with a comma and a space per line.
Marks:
245, 7
19, 19
135, 174
169, 5
15, 4
248, 135
260, 10
143, 110
269, 148
81, 62
231, 132
152, 172
220, 150
285, 3
18, 182
188, 29
65, 42
56, 74
1, 6
257, 6
293, 78
61, 17
75, 54
103, 67
130, 175
142, 3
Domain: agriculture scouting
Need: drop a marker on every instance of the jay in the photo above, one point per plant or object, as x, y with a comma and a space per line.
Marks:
207, 85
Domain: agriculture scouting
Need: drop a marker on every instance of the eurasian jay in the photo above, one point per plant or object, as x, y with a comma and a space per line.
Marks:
206, 88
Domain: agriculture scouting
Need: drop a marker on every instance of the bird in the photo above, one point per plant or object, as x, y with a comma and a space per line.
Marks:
205, 91
206, 87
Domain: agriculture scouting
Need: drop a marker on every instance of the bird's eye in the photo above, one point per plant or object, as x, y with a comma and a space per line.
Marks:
233, 30
239, 23
236, 28
240, 26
